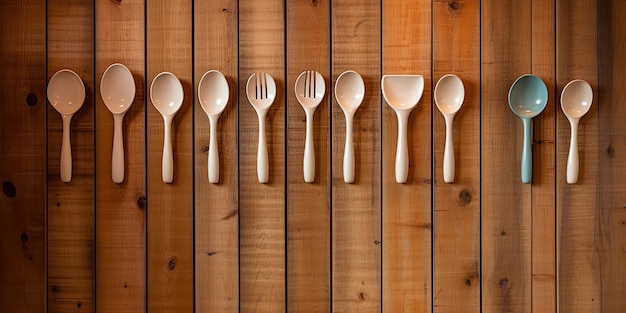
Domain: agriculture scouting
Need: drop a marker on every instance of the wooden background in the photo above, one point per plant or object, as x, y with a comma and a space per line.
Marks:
486, 243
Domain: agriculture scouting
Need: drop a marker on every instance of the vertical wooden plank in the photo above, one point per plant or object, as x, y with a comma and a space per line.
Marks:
506, 202
406, 211
308, 204
456, 50
23, 156
543, 255
120, 208
611, 144
577, 205
356, 216
262, 206
170, 206
217, 205
71, 205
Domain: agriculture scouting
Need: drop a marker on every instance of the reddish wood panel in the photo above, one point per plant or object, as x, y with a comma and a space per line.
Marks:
406, 207
506, 202
611, 140
71, 205
121, 208
217, 205
308, 204
579, 263
356, 216
456, 206
170, 267
23, 156
262, 206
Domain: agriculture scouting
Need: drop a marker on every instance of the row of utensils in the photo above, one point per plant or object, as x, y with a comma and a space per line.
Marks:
527, 97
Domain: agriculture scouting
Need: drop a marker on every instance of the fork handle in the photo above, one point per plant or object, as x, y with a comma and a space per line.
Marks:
262, 160
309, 150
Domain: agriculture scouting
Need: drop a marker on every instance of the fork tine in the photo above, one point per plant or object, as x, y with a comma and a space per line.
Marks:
263, 85
256, 89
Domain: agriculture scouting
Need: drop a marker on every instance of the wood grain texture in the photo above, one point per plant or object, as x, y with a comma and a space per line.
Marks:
71, 205
543, 196
456, 259
23, 156
262, 206
121, 208
308, 204
170, 206
217, 205
356, 215
612, 139
506, 202
579, 269
406, 210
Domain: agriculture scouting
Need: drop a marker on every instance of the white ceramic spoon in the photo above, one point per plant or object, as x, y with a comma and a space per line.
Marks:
117, 89
402, 93
449, 95
213, 94
166, 93
576, 100
349, 92
66, 93
310, 89
261, 92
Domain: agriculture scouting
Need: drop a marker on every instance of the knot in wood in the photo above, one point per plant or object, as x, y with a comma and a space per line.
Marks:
171, 264
141, 203
453, 5
9, 189
465, 197
32, 100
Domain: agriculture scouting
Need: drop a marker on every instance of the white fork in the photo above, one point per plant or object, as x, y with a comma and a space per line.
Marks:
261, 92
310, 89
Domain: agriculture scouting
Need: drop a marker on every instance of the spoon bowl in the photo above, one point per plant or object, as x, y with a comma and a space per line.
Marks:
261, 92
117, 89
528, 97
449, 95
576, 99
166, 94
213, 94
349, 92
402, 93
310, 88
66, 94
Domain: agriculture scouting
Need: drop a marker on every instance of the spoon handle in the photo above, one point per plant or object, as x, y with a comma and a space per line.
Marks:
527, 151
309, 150
348, 154
402, 151
66, 151
117, 162
214, 159
167, 166
262, 158
572, 158
448, 154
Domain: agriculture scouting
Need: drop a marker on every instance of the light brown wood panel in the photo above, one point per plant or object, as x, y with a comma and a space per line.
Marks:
506, 202
579, 269
71, 205
406, 210
456, 206
262, 206
121, 208
308, 204
356, 216
170, 206
217, 205
612, 139
23, 156
543, 233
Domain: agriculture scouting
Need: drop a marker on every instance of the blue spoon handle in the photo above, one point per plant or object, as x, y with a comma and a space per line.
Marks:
527, 152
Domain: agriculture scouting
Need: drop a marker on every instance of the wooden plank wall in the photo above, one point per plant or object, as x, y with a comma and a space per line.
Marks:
486, 243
